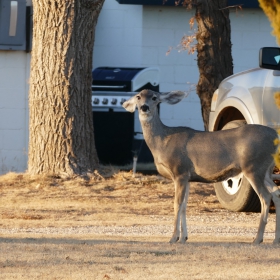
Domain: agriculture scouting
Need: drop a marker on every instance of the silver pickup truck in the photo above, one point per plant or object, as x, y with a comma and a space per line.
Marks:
246, 98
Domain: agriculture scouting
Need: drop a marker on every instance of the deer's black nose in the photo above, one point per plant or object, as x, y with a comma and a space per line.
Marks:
144, 108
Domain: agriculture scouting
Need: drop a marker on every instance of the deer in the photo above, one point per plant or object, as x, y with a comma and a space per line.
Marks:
185, 155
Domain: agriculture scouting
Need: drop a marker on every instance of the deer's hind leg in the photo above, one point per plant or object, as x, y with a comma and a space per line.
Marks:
258, 183
276, 200
275, 192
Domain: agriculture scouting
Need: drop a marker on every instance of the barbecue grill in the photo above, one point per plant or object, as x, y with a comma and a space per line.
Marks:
118, 133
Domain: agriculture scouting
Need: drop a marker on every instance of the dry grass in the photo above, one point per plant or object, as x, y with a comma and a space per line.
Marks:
117, 199
50, 201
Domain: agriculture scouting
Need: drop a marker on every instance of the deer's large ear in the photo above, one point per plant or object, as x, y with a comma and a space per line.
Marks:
173, 97
130, 105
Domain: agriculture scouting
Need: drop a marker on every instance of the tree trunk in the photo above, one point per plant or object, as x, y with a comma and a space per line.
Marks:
213, 50
61, 138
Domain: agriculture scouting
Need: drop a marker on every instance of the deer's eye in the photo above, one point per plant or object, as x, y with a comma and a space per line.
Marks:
154, 98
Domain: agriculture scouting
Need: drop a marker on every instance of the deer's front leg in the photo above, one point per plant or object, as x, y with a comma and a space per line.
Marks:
184, 229
180, 190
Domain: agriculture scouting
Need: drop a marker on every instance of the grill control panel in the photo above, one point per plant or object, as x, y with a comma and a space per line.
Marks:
106, 102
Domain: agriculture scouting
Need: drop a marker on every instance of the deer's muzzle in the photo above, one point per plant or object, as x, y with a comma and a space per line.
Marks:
144, 108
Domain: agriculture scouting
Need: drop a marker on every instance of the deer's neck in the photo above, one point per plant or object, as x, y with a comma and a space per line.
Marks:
153, 131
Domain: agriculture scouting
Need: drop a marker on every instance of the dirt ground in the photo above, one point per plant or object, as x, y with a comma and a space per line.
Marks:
118, 227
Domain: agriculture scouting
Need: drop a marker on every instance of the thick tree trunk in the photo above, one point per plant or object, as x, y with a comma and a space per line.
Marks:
61, 139
213, 50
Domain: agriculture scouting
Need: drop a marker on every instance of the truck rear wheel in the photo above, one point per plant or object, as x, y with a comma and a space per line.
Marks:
236, 193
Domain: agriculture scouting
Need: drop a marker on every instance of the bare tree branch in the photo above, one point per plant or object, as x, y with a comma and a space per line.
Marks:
234, 6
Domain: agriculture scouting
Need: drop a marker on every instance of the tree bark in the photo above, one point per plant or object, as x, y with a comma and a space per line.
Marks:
61, 137
213, 50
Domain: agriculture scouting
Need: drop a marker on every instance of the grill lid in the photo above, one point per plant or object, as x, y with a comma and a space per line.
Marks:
123, 78
102, 74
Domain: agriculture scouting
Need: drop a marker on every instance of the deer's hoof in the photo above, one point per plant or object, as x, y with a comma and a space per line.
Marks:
257, 241
174, 239
183, 240
276, 241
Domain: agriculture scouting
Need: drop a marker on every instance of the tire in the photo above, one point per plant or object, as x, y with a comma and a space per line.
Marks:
236, 194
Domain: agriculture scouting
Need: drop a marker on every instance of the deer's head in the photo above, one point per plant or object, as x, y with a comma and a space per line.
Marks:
146, 101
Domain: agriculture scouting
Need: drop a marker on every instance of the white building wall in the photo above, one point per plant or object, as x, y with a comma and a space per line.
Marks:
250, 31
118, 37
14, 75
163, 27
